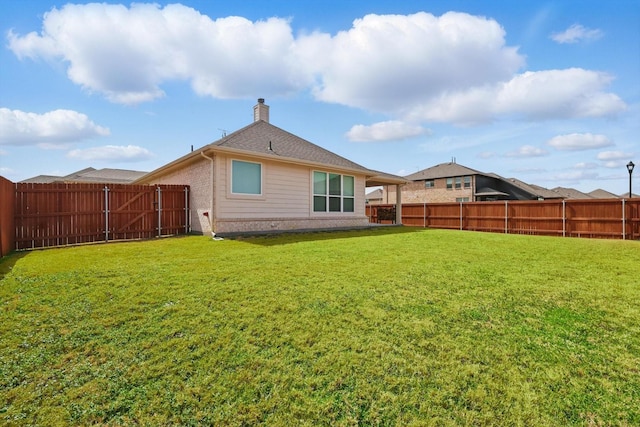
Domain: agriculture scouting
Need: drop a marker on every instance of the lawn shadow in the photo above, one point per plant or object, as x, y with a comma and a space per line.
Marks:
289, 237
8, 261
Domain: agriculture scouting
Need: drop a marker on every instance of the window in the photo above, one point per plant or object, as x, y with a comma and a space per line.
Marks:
458, 182
246, 177
333, 192
462, 199
449, 183
430, 183
467, 182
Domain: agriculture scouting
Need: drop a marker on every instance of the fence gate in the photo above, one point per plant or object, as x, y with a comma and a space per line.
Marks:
64, 214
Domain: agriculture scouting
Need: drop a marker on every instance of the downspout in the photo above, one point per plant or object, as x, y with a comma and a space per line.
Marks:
213, 193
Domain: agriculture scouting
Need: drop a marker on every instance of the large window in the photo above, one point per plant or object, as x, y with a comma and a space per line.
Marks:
430, 183
333, 192
246, 177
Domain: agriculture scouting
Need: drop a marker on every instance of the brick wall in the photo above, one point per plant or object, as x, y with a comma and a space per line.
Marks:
416, 192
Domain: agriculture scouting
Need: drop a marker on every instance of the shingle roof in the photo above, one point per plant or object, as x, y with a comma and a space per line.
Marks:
443, 170
536, 190
264, 138
602, 194
571, 193
113, 176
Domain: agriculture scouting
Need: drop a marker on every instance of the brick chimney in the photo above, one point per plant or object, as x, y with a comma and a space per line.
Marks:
261, 111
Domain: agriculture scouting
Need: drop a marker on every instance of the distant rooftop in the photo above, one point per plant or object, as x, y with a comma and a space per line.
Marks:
88, 175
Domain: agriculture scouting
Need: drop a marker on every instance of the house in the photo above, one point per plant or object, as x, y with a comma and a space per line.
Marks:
571, 193
90, 175
602, 194
262, 178
452, 182
374, 197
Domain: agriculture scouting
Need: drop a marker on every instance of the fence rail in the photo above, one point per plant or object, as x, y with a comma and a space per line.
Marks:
593, 218
65, 214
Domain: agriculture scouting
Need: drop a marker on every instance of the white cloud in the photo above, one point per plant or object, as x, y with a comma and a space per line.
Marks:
127, 53
579, 141
527, 151
129, 153
58, 127
570, 93
585, 165
613, 155
385, 131
386, 62
454, 68
575, 175
614, 159
575, 34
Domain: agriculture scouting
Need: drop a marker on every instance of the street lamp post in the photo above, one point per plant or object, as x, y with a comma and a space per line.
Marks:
630, 167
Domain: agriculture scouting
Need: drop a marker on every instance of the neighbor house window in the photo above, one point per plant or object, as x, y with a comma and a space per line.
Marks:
449, 183
430, 183
458, 182
246, 177
467, 182
333, 192
462, 199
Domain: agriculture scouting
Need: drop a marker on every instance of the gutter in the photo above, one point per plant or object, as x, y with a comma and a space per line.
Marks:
213, 193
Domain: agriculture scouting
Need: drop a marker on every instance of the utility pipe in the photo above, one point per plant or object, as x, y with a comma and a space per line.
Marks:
211, 206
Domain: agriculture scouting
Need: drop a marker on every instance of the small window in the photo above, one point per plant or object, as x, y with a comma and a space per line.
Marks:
430, 183
246, 177
458, 182
462, 199
449, 183
467, 182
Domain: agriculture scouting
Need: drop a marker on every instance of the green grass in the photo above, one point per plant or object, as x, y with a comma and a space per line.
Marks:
390, 326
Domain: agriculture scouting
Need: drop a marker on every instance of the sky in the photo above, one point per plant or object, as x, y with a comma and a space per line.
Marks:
544, 91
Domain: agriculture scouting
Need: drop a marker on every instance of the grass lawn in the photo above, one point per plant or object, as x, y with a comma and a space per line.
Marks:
388, 326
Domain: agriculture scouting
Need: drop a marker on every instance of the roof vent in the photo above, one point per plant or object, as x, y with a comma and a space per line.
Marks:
261, 111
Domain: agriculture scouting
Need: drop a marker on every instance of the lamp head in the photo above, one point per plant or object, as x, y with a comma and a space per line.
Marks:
630, 167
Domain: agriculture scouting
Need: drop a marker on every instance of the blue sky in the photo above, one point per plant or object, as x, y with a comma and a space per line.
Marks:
544, 91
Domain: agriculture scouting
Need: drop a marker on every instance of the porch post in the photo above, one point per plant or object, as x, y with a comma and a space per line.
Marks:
398, 205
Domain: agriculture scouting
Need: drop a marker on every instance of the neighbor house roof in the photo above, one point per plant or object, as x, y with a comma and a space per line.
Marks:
571, 193
443, 170
602, 194
266, 141
536, 190
88, 175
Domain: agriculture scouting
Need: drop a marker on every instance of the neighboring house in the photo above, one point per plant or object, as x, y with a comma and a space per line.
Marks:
262, 178
91, 175
602, 194
374, 197
571, 193
452, 182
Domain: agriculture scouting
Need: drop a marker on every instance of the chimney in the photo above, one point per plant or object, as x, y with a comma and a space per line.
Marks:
261, 111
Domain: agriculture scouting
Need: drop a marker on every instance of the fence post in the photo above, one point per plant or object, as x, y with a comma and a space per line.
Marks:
506, 217
424, 215
186, 210
564, 218
624, 221
461, 220
106, 213
159, 191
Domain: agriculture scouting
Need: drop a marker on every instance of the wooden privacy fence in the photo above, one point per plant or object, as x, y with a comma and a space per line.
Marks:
65, 214
593, 218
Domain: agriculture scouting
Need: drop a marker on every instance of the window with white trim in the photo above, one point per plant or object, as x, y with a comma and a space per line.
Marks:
246, 177
333, 192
